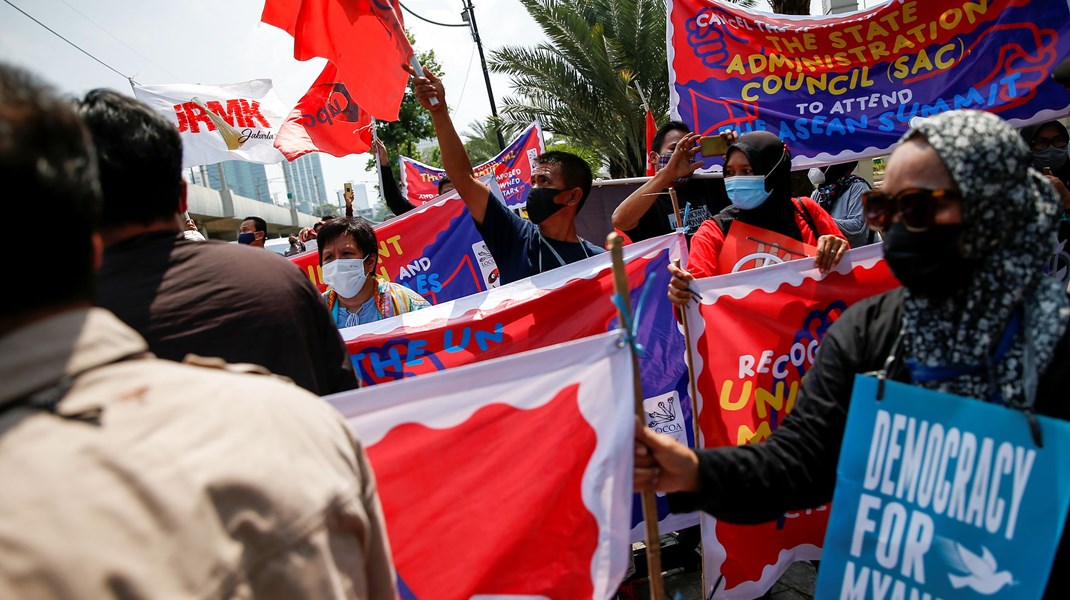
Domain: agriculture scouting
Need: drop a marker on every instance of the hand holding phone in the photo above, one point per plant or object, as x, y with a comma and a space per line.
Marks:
713, 145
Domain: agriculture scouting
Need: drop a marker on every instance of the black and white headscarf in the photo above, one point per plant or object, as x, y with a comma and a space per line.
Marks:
1009, 219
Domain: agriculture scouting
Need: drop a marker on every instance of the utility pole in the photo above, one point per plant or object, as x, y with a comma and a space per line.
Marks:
469, 16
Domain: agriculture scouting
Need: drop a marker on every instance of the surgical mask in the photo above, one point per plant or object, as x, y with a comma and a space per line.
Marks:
1052, 158
345, 275
816, 177
541, 205
246, 238
928, 263
746, 192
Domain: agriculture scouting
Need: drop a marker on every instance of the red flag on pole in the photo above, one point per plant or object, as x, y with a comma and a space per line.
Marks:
365, 39
651, 131
327, 120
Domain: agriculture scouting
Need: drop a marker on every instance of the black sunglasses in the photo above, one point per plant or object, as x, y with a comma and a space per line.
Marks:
916, 207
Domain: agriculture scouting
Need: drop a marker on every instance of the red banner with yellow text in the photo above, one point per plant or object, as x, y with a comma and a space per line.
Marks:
754, 335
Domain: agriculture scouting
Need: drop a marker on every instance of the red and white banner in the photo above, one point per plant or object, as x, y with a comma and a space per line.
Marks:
566, 303
753, 336
512, 168
506, 479
364, 38
326, 119
220, 122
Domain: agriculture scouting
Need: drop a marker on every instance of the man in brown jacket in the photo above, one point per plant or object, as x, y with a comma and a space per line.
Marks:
132, 477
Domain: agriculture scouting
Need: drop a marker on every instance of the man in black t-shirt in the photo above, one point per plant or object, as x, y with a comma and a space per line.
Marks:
520, 247
648, 211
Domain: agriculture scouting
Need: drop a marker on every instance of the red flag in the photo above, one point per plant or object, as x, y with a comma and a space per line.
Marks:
365, 39
651, 131
327, 120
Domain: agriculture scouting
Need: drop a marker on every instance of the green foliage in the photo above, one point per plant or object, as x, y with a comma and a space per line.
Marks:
325, 210
482, 139
591, 157
582, 82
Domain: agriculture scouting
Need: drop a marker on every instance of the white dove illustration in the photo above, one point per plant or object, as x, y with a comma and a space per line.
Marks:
982, 575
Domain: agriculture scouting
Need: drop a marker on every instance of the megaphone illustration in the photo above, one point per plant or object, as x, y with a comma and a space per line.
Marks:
231, 137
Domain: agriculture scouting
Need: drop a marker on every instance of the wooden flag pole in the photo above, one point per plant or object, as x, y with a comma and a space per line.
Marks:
650, 509
676, 208
693, 390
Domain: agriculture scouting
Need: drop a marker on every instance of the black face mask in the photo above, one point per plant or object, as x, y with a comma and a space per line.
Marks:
541, 205
929, 263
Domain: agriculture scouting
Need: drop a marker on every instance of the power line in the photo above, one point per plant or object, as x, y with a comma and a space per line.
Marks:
114, 37
427, 20
76, 46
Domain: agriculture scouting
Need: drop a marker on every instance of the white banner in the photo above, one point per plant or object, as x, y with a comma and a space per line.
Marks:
238, 121
510, 478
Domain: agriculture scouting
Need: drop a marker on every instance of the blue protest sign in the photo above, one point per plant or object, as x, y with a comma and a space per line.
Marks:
939, 496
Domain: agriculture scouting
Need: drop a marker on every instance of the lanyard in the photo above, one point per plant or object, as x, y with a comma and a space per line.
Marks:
560, 260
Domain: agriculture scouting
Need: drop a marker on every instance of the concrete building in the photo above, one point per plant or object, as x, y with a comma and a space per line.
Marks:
245, 179
304, 179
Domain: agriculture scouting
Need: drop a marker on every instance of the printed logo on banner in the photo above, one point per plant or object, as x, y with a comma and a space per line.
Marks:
664, 415
943, 496
487, 266
839, 88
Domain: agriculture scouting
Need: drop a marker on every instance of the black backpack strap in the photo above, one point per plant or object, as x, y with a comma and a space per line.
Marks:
801, 209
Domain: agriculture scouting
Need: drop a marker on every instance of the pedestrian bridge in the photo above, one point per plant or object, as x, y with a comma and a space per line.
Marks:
219, 214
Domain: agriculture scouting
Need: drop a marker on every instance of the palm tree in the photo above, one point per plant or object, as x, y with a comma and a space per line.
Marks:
482, 139
791, 7
583, 82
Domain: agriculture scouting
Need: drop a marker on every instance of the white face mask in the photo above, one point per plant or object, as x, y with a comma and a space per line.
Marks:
816, 176
346, 276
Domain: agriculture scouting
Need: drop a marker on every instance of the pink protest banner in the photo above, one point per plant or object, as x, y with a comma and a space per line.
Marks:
754, 335
456, 456
512, 168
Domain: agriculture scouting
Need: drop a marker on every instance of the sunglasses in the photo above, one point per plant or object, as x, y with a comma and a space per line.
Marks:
1040, 144
916, 207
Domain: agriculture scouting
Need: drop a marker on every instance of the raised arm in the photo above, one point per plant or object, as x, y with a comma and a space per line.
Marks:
626, 216
395, 201
454, 156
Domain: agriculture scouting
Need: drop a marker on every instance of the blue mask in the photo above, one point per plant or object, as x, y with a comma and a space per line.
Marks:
247, 237
746, 192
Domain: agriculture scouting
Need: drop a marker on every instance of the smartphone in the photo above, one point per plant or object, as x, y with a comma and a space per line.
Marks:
713, 145
348, 187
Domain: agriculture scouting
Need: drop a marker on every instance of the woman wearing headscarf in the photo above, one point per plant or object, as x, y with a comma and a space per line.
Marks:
1048, 145
757, 179
964, 221
839, 191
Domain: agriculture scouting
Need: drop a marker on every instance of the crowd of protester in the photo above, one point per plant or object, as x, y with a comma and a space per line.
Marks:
173, 382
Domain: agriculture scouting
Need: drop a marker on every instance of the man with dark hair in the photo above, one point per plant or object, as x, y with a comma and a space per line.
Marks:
521, 248
130, 476
252, 232
648, 211
210, 298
